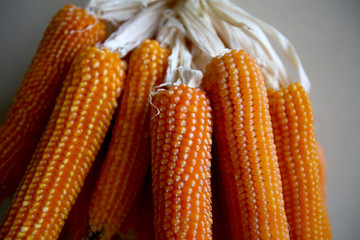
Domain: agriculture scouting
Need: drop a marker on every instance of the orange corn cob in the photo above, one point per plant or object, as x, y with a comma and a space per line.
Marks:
128, 156
293, 124
79, 214
71, 30
74, 133
181, 129
246, 147
322, 168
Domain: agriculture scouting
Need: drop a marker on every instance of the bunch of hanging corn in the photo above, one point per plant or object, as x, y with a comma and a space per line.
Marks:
170, 88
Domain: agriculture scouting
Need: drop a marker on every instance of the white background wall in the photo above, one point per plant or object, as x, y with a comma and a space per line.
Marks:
326, 34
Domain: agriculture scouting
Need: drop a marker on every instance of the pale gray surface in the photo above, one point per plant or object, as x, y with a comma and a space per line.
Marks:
326, 34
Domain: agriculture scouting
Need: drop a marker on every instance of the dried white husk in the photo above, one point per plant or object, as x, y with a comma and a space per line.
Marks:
172, 34
213, 27
117, 11
199, 27
261, 31
135, 30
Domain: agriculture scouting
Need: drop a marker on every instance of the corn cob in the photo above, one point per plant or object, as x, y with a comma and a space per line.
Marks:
246, 147
71, 30
79, 214
128, 156
67, 148
30, 172
181, 128
322, 168
293, 124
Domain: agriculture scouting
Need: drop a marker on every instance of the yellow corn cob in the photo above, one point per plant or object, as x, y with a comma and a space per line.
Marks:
71, 30
128, 156
75, 131
293, 124
181, 129
246, 147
